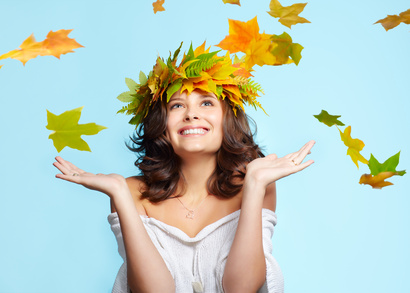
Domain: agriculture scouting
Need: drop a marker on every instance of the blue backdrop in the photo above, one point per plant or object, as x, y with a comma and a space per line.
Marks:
333, 235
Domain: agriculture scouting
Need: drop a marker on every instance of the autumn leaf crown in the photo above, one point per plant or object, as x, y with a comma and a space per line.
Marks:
199, 69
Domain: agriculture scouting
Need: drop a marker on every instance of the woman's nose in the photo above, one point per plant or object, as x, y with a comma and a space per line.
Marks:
190, 116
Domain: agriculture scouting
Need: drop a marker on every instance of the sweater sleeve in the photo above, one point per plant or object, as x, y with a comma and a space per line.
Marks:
121, 283
274, 278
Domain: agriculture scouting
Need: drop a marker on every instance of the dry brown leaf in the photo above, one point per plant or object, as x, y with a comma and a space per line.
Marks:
391, 21
377, 181
232, 2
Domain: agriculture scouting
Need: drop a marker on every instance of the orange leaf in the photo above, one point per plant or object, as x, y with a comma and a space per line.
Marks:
354, 145
259, 53
288, 15
240, 35
242, 72
58, 43
231, 2
158, 6
29, 49
391, 21
377, 181
55, 44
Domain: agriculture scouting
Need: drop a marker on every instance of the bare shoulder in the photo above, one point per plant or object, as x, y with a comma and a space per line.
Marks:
136, 186
269, 202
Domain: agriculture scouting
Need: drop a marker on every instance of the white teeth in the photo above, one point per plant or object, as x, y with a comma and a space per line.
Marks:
193, 131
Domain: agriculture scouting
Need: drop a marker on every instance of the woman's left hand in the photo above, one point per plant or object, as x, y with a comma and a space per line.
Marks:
269, 169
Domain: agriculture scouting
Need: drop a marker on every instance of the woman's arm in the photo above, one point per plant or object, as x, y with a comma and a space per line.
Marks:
245, 269
146, 270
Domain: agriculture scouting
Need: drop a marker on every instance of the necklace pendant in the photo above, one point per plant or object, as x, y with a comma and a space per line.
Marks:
190, 215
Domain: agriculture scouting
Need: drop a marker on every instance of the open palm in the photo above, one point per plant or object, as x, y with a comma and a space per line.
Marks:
106, 183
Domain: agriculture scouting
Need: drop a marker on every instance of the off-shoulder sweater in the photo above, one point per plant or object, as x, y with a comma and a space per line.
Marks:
197, 264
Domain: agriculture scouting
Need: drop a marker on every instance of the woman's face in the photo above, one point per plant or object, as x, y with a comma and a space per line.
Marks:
194, 124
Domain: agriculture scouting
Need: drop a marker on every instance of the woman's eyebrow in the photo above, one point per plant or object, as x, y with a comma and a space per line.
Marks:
175, 99
208, 96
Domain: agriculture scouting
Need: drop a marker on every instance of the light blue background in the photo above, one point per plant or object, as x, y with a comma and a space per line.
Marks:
333, 235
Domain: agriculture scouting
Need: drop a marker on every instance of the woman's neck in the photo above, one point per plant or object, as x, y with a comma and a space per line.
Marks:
196, 171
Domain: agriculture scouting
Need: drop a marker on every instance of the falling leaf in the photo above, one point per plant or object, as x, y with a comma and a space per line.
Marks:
67, 131
158, 6
232, 2
354, 145
259, 53
328, 119
288, 15
58, 43
391, 21
388, 166
380, 172
55, 44
284, 48
377, 181
261, 49
240, 35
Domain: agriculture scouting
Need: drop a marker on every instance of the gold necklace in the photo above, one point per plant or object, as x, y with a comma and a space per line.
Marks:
191, 213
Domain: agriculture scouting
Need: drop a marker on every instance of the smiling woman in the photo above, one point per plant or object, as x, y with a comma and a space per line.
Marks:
194, 123
201, 215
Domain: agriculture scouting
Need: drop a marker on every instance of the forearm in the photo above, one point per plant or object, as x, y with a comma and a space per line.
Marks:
245, 269
146, 270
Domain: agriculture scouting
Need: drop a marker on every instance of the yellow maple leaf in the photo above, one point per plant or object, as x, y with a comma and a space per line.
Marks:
55, 44
67, 131
354, 145
158, 6
259, 53
240, 35
237, 2
391, 21
288, 15
377, 181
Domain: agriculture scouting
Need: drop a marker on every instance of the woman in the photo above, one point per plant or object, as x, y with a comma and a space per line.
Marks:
201, 216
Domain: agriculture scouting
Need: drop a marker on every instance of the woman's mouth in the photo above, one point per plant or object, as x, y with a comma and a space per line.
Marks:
194, 131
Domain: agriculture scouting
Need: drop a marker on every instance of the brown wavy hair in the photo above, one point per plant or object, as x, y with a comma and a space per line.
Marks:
160, 166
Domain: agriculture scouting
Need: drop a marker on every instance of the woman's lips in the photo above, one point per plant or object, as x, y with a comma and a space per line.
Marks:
193, 130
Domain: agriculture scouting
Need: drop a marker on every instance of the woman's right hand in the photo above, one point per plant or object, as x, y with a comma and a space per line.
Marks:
109, 184
271, 168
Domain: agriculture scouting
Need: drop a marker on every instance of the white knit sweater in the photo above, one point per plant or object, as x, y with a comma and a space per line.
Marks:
197, 264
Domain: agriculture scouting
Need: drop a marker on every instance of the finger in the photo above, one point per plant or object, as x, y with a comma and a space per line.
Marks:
70, 178
74, 167
304, 165
60, 167
295, 154
272, 156
68, 165
303, 152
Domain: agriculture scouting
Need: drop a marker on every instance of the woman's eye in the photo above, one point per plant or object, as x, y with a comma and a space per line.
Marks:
207, 103
175, 106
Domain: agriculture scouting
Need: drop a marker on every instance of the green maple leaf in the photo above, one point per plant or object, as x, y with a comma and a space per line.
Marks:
285, 49
67, 131
328, 119
388, 166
